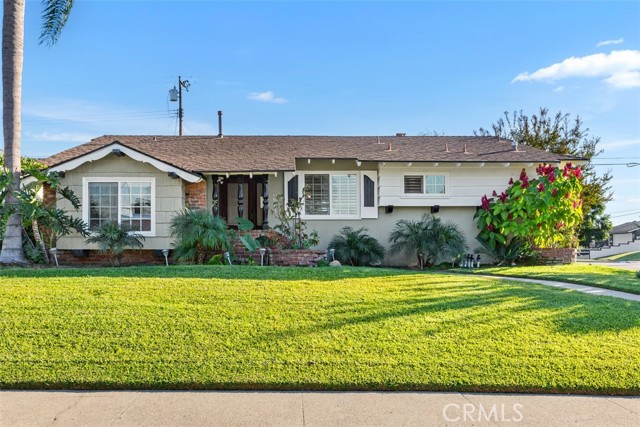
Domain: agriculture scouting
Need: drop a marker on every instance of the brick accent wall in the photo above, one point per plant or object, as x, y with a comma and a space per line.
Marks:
195, 194
563, 255
95, 258
48, 195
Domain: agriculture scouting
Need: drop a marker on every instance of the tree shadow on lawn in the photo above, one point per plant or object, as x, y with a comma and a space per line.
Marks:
214, 272
481, 303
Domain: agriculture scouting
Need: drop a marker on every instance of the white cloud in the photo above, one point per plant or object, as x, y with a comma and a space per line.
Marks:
610, 42
62, 137
624, 79
268, 96
559, 89
619, 144
619, 68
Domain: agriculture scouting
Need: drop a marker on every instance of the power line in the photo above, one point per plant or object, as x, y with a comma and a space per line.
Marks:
102, 117
616, 158
629, 165
626, 210
629, 214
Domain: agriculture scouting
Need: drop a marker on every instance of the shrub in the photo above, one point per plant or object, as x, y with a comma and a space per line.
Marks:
513, 250
112, 239
430, 239
322, 263
545, 210
291, 226
356, 247
199, 234
638, 274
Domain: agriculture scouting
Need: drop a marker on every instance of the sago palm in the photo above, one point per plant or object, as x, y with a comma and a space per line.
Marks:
113, 240
430, 239
356, 247
199, 233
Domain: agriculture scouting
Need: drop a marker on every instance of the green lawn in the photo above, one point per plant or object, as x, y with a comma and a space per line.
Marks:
584, 274
628, 256
298, 328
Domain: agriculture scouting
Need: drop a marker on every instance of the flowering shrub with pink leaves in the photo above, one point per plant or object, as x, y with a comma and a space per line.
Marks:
543, 210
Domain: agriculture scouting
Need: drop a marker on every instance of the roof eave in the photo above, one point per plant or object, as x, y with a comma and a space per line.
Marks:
137, 155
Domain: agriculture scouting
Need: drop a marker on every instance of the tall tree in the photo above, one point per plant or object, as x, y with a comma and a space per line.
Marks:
561, 134
55, 15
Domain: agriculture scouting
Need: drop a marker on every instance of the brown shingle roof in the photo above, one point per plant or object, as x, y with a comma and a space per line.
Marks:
278, 153
627, 227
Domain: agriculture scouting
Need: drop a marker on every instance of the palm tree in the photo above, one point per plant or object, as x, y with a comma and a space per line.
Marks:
429, 238
56, 13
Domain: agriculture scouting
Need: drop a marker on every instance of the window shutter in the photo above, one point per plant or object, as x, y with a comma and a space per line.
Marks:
413, 184
369, 192
369, 198
292, 189
344, 195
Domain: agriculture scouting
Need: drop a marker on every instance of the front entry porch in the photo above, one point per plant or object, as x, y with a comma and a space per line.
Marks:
241, 196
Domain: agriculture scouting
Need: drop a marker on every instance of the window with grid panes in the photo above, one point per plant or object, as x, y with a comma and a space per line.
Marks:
125, 202
331, 194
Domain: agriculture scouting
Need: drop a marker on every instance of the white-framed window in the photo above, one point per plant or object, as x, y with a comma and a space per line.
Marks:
128, 201
425, 185
332, 194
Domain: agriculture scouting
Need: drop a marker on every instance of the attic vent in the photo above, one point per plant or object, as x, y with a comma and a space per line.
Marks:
401, 134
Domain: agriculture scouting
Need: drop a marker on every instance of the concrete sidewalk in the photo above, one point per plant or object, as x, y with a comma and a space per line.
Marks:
215, 408
592, 290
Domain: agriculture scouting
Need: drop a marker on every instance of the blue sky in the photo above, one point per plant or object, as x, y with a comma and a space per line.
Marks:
337, 68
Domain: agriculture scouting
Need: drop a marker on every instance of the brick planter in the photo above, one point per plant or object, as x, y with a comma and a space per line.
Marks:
559, 255
89, 257
284, 257
281, 257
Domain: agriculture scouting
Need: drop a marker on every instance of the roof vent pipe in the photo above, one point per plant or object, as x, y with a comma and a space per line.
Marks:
220, 135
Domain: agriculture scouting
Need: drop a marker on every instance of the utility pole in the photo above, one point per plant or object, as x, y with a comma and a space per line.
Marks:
176, 95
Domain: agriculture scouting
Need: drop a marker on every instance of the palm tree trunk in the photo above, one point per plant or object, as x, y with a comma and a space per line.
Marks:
35, 227
12, 59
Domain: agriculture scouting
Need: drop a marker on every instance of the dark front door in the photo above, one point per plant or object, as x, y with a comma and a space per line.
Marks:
244, 196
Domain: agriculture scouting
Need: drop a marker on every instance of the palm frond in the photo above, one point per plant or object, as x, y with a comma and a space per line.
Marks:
54, 17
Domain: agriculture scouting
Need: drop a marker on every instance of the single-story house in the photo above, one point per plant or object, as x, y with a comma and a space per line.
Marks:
143, 180
625, 233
